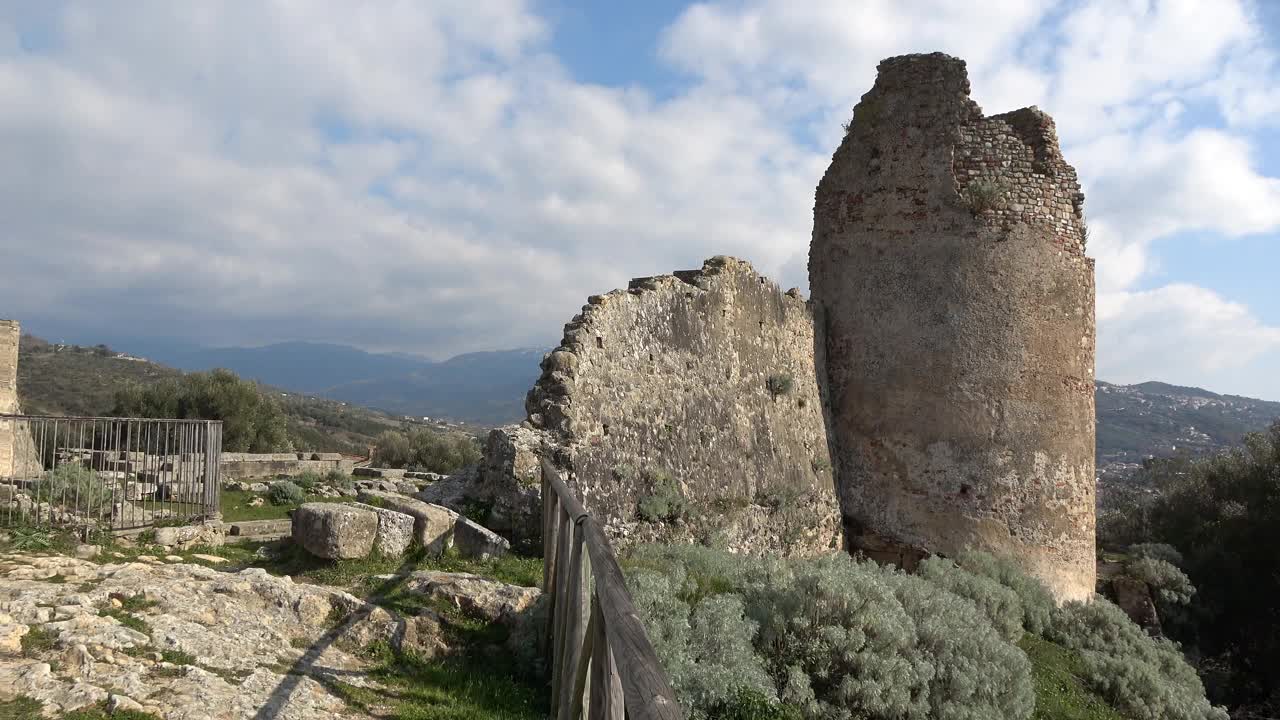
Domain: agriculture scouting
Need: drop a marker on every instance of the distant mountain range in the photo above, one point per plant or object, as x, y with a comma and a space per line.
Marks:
488, 388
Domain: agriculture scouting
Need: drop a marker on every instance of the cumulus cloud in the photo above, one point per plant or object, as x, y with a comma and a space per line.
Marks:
428, 177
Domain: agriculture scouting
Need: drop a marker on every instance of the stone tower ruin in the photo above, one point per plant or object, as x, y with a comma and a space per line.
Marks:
9, 334
956, 307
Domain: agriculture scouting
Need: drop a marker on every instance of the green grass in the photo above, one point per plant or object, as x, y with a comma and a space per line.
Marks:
1060, 692
20, 708
178, 657
136, 603
124, 618
38, 640
236, 508
30, 539
467, 688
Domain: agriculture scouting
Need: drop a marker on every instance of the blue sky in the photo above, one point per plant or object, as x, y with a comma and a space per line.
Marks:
459, 175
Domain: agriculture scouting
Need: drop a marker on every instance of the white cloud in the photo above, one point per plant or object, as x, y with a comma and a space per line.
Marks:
1185, 335
427, 177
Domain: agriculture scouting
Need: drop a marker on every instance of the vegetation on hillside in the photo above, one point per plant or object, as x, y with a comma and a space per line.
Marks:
835, 637
1222, 514
251, 419
425, 450
74, 380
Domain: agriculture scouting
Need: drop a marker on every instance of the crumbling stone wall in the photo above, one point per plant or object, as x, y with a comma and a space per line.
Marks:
686, 408
956, 308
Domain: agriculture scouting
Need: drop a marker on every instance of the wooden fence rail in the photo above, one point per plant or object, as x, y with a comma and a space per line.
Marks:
601, 659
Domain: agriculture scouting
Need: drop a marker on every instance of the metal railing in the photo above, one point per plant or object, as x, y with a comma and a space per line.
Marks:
600, 656
108, 473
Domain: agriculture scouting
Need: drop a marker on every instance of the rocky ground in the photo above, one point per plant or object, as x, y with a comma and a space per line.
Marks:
167, 638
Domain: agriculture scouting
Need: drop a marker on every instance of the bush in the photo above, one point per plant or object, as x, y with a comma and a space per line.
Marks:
285, 493
1037, 603
1157, 551
307, 480
779, 385
1170, 584
836, 638
999, 603
338, 479
983, 194
1144, 677
76, 485
666, 503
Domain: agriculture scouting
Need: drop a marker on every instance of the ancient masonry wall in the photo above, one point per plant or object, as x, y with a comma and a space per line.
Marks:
664, 390
9, 334
956, 308
248, 466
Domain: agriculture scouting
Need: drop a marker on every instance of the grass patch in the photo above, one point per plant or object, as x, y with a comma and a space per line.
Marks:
124, 618
178, 657
20, 708
449, 689
38, 640
236, 508
1060, 690
31, 539
136, 603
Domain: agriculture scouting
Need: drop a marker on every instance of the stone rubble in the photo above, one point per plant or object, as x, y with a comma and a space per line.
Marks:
212, 645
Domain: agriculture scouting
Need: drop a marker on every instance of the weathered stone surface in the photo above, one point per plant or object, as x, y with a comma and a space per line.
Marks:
947, 268
395, 530
433, 524
333, 531
473, 540
478, 597
18, 454
698, 388
240, 628
11, 638
212, 533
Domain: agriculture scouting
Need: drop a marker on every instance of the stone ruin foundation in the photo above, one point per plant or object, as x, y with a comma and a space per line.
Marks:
956, 307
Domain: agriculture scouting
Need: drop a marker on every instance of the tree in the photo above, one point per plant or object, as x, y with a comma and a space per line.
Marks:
426, 450
251, 420
1223, 513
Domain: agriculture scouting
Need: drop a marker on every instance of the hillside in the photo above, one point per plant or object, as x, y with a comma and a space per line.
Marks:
74, 380
487, 388
1154, 418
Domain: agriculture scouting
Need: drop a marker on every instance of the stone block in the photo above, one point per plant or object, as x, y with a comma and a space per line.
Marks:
335, 532
395, 530
186, 536
473, 540
433, 525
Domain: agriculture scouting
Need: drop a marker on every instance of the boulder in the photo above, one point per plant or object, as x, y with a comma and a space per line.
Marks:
473, 540
335, 532
395, 530
433, 524
476, 596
